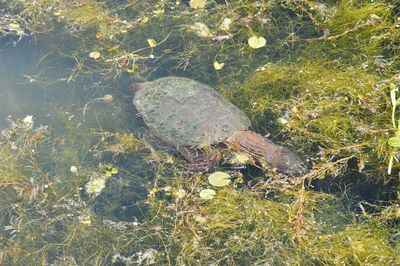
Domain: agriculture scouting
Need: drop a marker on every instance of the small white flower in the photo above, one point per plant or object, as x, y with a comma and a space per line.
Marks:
74, 169
28, 119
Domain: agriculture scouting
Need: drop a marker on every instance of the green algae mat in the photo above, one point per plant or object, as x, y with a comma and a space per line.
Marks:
84, 181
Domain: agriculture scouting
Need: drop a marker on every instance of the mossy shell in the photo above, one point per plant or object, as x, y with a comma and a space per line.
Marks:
183, 111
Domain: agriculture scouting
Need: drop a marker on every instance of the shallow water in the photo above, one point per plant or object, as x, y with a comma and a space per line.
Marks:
28, 88
81, 184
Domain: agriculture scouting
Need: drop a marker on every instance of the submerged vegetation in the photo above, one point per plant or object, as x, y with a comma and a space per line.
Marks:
320, 77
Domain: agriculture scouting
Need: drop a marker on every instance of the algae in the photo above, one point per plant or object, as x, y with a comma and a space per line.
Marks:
321, 85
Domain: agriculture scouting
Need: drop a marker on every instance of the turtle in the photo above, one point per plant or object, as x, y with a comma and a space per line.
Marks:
188, 114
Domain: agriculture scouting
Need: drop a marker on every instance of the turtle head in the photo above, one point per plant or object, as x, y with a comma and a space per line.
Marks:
264, 150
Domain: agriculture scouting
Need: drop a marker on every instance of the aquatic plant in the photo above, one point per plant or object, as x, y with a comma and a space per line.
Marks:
320, 77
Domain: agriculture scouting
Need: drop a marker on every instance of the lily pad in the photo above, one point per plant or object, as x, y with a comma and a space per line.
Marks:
219, 179
207, 194
180, 193
256, 42
195, 4
394, 142
225, 24
201, 29
94, 55
218, 66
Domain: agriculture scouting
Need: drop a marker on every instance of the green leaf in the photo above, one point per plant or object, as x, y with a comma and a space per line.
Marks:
219, 179
207, 194
108, 174
394, 142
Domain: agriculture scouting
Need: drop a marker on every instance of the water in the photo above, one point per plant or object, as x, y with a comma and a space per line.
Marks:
29, 88
82, 184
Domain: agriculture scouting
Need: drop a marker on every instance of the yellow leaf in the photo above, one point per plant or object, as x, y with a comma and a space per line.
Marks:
218, 66
86, 222
133, 69
13, 26
114, 171
195, 4
144, 20
256, 42
152, 42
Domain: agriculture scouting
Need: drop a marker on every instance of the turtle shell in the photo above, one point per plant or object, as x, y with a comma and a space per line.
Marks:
183, 111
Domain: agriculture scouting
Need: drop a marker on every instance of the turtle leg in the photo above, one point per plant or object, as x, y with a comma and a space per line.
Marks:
200, 159
159, 150
264, 149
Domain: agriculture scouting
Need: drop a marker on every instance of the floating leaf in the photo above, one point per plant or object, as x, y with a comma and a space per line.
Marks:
180, 193
74, 169
225, 24
200, 219
195, 4
94, 55
241, 158
218, 66
13, 26
95, 186
201, 29
144, 20
219, 179
394, 142
86, 221
159, 11
152, 43
256, 42
167, 188
114, 171
132, 69
28, 119
207, 194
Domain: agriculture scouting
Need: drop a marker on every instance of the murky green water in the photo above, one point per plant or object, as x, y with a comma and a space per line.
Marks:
83, 183
71, 115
